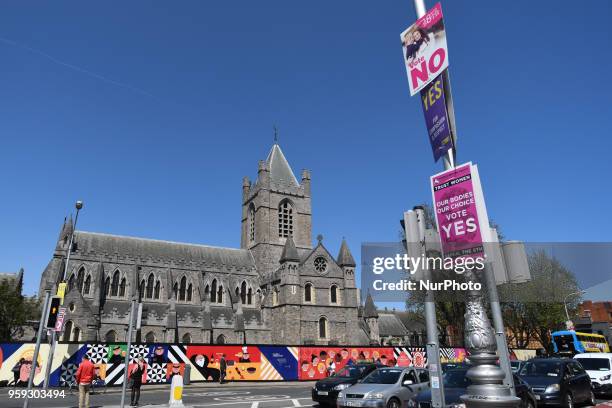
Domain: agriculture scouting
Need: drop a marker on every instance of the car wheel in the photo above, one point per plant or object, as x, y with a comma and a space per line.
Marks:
591, 399
393, 403
569, 402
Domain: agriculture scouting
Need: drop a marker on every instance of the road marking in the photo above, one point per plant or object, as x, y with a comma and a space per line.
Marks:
251, 402
252, 398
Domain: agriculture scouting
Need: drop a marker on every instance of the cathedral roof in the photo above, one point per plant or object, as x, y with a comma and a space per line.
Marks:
100, 244
370, 308
290, 252
345, 258
390, 324
280, 171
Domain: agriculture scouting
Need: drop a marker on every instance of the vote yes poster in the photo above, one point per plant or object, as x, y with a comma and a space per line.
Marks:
461, 214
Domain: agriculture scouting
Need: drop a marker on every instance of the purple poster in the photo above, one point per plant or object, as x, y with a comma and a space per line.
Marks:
436, 117
455, 195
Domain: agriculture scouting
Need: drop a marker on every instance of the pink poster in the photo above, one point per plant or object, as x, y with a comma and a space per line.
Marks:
424, 49
456, 193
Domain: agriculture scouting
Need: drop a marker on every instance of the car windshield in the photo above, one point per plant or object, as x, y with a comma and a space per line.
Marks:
595, 364
350, 372
541, 368
383, 376
456, 379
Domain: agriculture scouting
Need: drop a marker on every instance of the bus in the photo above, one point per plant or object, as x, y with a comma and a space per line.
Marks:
569, 342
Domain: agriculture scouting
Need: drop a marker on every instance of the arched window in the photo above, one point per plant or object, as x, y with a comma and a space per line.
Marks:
87, 285
207, 293
141, 289
243, 292
308, 292
285, 219
175, 290
189, 292
71, 283
115, 284
80, 279
251, 223
182, 289
76, 333
250, 296
186, 338
220, 339
213, 291
150, 283
237, 293
274, 297
150, 337
122, 288
333, 294
67, 331
111, 336
220, 294
323, 328
157, 289
107, 286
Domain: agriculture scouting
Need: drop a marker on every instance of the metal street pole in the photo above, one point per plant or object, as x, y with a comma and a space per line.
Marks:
127, 354
41, 325
78, 205
580, 292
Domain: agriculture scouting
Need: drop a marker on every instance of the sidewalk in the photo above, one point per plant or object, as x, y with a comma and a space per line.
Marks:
205, 385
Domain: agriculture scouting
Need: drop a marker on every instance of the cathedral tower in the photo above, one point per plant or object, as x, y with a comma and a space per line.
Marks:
275, 207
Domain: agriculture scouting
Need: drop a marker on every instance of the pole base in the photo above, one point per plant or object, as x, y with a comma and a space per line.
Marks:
493, 401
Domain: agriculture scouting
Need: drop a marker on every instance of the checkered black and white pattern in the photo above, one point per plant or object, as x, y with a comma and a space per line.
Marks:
68, 374
138, 350
97, 353
156, 373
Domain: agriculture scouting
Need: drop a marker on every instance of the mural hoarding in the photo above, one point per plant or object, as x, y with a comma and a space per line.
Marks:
245, 363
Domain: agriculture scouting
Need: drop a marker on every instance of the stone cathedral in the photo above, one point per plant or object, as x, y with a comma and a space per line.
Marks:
277, 288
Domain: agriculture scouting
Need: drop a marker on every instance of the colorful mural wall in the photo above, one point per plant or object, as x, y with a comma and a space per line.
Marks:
244, 363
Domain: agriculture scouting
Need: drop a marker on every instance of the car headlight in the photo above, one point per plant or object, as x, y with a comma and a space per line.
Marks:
341, 387
552, 388
375, 395
340, 394
605, 377
457, 405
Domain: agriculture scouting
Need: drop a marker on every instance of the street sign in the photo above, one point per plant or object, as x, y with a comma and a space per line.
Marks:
59, 322
461, 215
424, 49
53, 311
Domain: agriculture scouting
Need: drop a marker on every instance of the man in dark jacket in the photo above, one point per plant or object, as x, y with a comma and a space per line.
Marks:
222, 369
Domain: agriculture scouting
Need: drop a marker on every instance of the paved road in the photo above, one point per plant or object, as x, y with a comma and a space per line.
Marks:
232, 396
274, 395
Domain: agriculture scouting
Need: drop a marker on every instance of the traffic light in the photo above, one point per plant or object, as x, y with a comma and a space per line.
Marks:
53, 310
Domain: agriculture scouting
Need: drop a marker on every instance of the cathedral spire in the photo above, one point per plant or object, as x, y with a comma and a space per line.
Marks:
345, 258
280, 171
290, 252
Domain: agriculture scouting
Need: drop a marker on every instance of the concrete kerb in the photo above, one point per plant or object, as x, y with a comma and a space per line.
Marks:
214, 385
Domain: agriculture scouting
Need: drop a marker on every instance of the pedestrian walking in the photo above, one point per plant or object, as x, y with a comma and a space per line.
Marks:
16, 370
136, 379
84, 377
222, 369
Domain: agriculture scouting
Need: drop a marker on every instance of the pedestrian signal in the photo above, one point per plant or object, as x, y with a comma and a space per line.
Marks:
53, 311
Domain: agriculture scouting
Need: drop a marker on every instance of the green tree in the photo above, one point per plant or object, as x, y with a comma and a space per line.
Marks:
534, 309
15, 310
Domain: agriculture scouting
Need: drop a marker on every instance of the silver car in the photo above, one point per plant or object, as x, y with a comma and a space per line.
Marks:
389, 387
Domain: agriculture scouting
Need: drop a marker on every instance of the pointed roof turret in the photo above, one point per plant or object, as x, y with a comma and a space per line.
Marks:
369, 309
345, 258
290, 252
280, 171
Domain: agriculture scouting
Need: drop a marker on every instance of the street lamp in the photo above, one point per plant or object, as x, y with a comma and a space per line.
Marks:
580, 292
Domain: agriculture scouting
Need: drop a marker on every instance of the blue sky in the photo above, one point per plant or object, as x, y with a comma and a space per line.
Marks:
152, 112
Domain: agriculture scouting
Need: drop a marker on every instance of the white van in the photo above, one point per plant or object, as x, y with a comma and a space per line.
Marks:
599, 368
